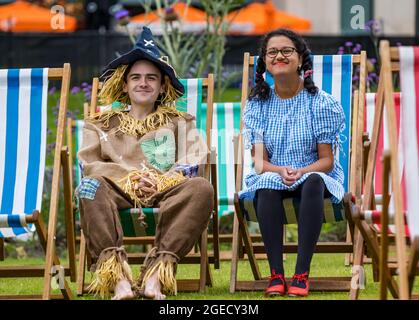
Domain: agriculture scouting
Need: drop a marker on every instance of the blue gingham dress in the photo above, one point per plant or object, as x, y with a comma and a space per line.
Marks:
290, 130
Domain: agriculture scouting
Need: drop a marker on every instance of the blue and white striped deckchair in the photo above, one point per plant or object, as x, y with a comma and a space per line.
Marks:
333, 74
23, 131
192, 103
23, 118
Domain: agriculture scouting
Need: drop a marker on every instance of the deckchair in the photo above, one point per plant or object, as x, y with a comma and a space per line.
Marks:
334, 75
400, 172
135, 233
23, 131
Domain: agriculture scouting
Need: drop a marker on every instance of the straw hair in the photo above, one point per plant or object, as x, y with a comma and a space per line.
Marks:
112, 89
160, 182
113, 86
135, 127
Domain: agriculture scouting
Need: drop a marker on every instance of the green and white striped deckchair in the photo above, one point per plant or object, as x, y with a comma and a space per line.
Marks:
225, 126
23, 137
191, 102
333, 74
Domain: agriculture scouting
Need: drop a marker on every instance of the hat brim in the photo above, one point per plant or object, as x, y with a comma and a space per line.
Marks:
139, 54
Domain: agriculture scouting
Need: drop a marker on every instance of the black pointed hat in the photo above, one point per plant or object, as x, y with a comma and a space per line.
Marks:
146, 48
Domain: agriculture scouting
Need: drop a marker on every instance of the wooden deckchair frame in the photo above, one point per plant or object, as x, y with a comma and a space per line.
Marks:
405, 269
354, 244
203, 259
47, 235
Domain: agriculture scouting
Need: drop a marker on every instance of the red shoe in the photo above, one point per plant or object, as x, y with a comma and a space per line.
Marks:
299, 286
277, 285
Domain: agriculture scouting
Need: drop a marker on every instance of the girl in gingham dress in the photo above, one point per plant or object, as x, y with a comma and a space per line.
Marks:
293, 130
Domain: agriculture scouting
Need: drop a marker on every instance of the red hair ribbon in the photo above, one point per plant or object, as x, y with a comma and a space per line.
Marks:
308, 73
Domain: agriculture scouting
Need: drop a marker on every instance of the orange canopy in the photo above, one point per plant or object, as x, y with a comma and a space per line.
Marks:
22, 16
184, 12
260, 18
191, 19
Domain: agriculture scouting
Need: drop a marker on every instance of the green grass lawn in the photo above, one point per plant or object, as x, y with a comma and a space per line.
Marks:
322, 265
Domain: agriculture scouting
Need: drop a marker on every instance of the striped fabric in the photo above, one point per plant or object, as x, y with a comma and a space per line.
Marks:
226, 125
383, 141
409, 83
333, 74
136, 224
23, 122
190, 102
373, 217
79, 143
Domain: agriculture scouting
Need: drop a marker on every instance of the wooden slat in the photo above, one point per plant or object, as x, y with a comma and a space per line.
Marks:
68, 206
1, 249
82, 265
354, 154
395, 66
192, 258
357, 170
396, 196
30, 297
322, 247
183, 285
210, 106
25, 271
55, 73
93, 98
384, 224
50, 255
394, 54
334, 284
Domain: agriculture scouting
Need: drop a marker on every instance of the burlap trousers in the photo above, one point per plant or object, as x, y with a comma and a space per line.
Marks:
184, 213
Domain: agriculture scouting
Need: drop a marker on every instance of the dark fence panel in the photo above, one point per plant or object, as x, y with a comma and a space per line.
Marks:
89, 51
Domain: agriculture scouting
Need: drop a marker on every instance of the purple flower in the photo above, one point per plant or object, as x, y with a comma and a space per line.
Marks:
356, 50
372, 60
120, 14
169, 10
376, 28
52, 90
355, 78
84, 84
75, 90
348, 44
373, 26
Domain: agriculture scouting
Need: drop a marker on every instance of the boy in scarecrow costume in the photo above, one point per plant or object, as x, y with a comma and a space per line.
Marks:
144, 154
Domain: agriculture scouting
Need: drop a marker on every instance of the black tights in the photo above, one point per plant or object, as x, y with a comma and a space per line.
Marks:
270, 214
